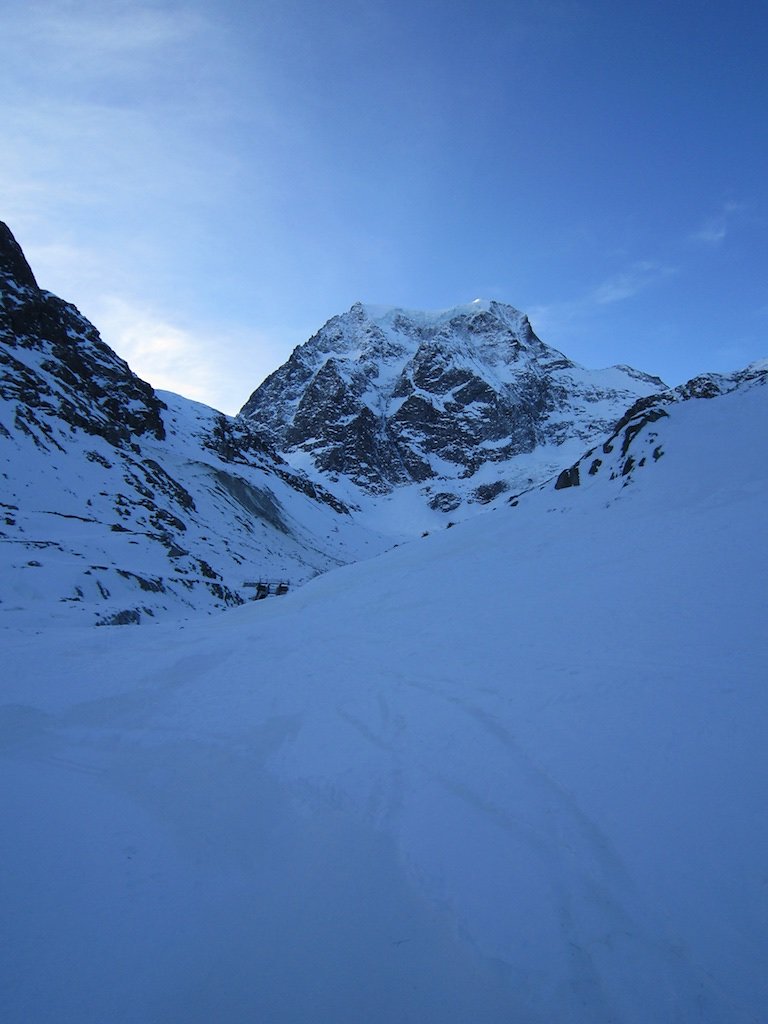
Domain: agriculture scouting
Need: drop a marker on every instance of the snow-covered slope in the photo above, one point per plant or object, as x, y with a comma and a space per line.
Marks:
464, 403
117, 502
513, 771
634, 443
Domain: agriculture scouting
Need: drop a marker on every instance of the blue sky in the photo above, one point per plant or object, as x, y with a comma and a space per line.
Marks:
210, 182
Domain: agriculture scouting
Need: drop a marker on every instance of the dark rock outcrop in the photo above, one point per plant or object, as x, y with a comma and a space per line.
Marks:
54, 364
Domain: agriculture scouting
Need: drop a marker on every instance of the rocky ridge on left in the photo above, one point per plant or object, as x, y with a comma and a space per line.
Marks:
120, 504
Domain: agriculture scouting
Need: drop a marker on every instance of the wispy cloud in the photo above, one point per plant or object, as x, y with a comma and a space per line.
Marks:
622, 285
115, 100
714, 229
629, 282
115, 28
214, 363
86, 37
193, 362
582, 314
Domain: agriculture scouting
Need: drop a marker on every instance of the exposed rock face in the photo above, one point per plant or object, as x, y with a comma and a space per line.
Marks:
118, 504
387, 397
55, 363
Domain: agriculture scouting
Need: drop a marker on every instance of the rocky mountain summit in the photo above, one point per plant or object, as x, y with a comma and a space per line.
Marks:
464, 402
120, 503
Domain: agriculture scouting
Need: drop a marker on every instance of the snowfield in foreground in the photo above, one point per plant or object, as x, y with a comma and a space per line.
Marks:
513, 772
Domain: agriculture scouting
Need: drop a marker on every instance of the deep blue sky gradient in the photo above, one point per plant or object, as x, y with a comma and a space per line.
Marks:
210, 183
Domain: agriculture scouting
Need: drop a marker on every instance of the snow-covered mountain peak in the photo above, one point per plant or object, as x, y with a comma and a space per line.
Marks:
382, 314
758, 366
384, 396
419, 324
385, 316
395, 332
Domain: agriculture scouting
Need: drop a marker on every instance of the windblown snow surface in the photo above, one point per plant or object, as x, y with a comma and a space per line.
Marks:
515, 771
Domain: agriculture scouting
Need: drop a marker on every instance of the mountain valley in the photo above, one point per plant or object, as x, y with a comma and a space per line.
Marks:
514, 770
